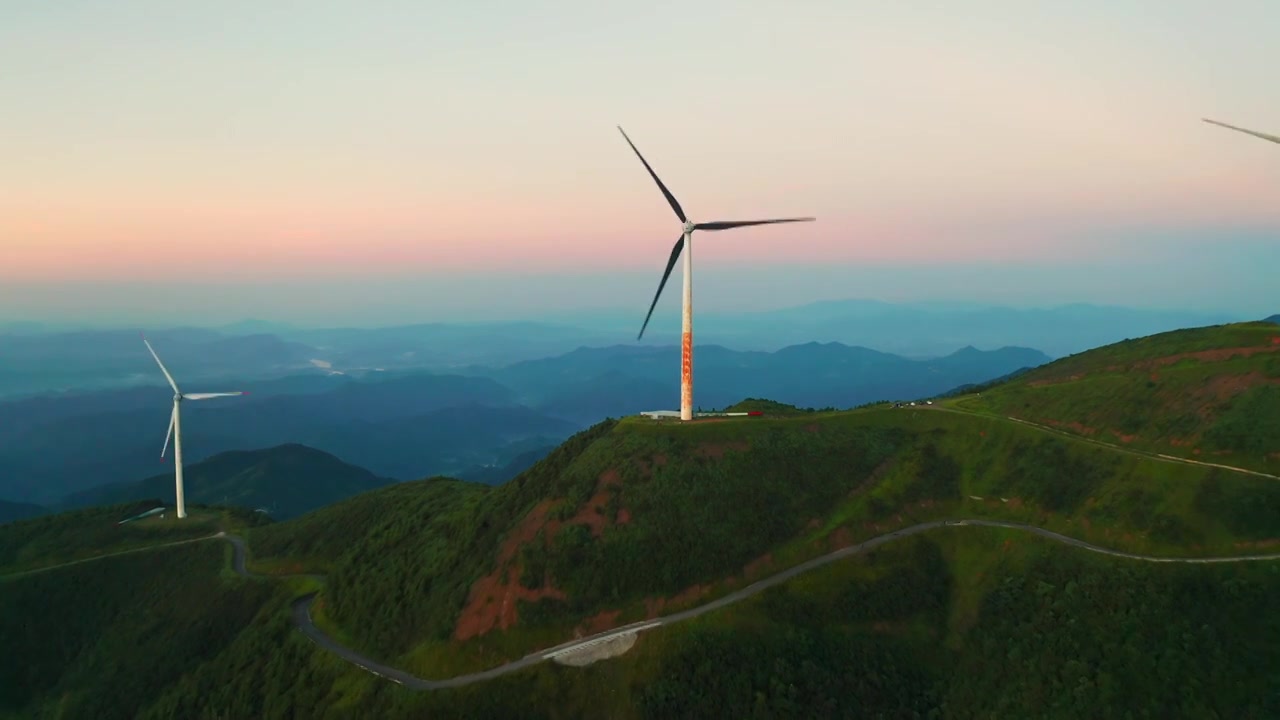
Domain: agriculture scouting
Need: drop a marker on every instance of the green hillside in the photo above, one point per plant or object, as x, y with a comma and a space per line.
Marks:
635, 519
1210, 394
927, 627
10, 511
97, 639
67, 537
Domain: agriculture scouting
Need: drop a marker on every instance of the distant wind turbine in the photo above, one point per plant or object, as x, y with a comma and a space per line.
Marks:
175, 427
1264, 136
685, 242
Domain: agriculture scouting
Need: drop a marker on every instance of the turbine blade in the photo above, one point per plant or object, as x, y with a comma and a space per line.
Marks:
670, 198
206, 396
163, 369
1264, 136
730, 224
671, 263
173, 416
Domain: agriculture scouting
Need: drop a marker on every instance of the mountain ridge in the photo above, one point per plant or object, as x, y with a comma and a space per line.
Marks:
287, 480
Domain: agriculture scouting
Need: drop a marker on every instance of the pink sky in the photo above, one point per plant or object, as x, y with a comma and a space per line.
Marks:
403, 141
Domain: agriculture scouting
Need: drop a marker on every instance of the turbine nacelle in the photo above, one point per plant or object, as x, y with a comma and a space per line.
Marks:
689, 227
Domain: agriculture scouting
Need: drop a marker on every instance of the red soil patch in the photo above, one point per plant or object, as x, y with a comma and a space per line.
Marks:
1196, 451
690, 594
717, 450
654, 606
1125, 438
1155, 377
597, 623
1076, 427
1218, 355
841, 539
1225, 387
659, 460
592, 512
754, 569
1008, 543
492, 602
1082, 429
812, 427
1015, 502
1056, 380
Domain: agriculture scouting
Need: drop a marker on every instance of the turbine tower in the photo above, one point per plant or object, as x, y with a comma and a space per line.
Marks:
175, 428
685, 243
1264, 136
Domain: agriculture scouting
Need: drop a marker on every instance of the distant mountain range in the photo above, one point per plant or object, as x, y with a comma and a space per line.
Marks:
485, 423
402, 427
37, 358
11, 511
286, 481
591, 383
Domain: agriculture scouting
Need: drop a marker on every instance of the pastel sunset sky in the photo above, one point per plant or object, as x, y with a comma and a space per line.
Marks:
376, 162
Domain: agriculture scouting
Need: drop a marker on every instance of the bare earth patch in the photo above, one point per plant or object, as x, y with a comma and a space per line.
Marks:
493, 599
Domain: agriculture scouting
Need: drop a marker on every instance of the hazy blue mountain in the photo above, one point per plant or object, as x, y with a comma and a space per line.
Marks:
591, 383
1273, 319
917, 329
11, 511
405, 427
37, 359
117, 358
287, 480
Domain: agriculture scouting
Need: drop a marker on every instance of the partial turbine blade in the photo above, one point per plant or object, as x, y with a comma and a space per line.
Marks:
1264, 136
730, 224
671, 263
173, 417
164, 370
670, 198
206, 396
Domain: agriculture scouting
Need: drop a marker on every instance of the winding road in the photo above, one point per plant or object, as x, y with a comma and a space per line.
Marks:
301, 607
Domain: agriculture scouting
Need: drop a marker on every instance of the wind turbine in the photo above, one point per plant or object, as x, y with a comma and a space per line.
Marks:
1264, 136
685, 243
175, 428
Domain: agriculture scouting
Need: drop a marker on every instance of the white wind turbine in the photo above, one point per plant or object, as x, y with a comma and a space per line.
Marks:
175, 428
1264, 136
686, 243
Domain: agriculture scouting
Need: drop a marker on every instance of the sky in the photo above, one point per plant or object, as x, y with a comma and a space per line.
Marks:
405, 161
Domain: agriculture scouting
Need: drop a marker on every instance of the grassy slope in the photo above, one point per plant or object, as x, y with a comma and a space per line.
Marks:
689, 513
1211, 394
934, 622
95, 640
66, 537
686, 513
